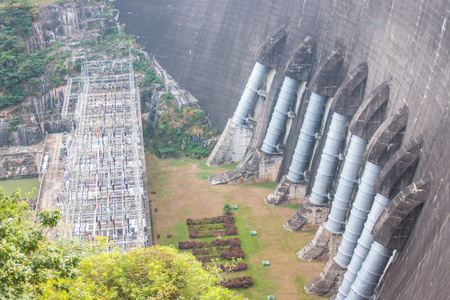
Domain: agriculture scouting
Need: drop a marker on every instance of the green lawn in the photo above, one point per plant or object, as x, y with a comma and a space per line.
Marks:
182, 191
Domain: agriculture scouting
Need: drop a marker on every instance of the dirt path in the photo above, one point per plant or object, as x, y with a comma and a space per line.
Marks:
182, 191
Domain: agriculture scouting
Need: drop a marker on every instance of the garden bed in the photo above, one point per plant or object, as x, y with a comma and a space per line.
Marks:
238, 283
222, 249
210, 227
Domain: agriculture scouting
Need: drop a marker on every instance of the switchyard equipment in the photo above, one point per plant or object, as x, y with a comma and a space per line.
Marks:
105, 193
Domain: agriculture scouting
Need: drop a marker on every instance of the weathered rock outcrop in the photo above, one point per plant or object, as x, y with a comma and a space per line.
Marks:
78, 17
19, 162
38, 115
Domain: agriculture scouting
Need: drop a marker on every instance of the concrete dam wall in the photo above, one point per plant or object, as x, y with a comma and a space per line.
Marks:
210, 48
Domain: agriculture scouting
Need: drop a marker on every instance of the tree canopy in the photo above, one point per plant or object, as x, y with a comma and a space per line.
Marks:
158, 272
35, 267
27, 259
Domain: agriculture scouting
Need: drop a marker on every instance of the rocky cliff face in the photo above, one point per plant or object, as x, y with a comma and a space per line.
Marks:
19, 165
78, 20
34, 117
209, 47
78, 17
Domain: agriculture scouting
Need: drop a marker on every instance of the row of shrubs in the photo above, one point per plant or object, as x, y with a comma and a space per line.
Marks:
230, 229
199, 228
240, 266
213, 243
233, 253
211, 250
205, 227
230, 254
238, 282
211, 220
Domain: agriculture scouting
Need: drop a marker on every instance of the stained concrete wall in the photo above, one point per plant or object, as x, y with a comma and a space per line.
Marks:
209, 48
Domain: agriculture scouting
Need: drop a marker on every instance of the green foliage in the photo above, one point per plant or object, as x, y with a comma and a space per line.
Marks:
50, 218
13, 123
17, 66
27, 260
195, 150
32, 267
158, 272
227, 209
88, 43
57, 80
55, 46
176, 129
150, 75
66, 54
78, 66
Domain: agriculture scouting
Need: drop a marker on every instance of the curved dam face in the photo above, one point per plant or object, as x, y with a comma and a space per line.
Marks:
210, 48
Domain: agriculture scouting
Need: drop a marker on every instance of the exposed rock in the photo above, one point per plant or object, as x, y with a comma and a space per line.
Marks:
54, 22
19, 163
38, 115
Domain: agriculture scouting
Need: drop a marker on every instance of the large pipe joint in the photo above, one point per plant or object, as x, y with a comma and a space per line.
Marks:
358, 215
347, 182
328, 160
306, 138
279, 115
248, 96
370, 273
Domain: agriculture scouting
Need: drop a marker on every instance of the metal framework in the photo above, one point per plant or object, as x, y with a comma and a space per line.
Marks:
105, 192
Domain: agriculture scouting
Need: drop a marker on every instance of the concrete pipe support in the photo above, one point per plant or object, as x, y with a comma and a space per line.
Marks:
306, 138
279, 115
358, 214
371, 271
330, 155
251, 89
363, 247
347, 182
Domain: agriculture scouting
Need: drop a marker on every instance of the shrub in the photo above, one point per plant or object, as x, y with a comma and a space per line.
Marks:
233, 253
227, 209
231, 229
240, 266
202, 227
191, 244
238, 282
234, 242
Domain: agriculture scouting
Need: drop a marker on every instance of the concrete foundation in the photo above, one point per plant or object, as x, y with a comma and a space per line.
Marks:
308, 217
287, 192
323, 246
231, 146
259, 167
328, 281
